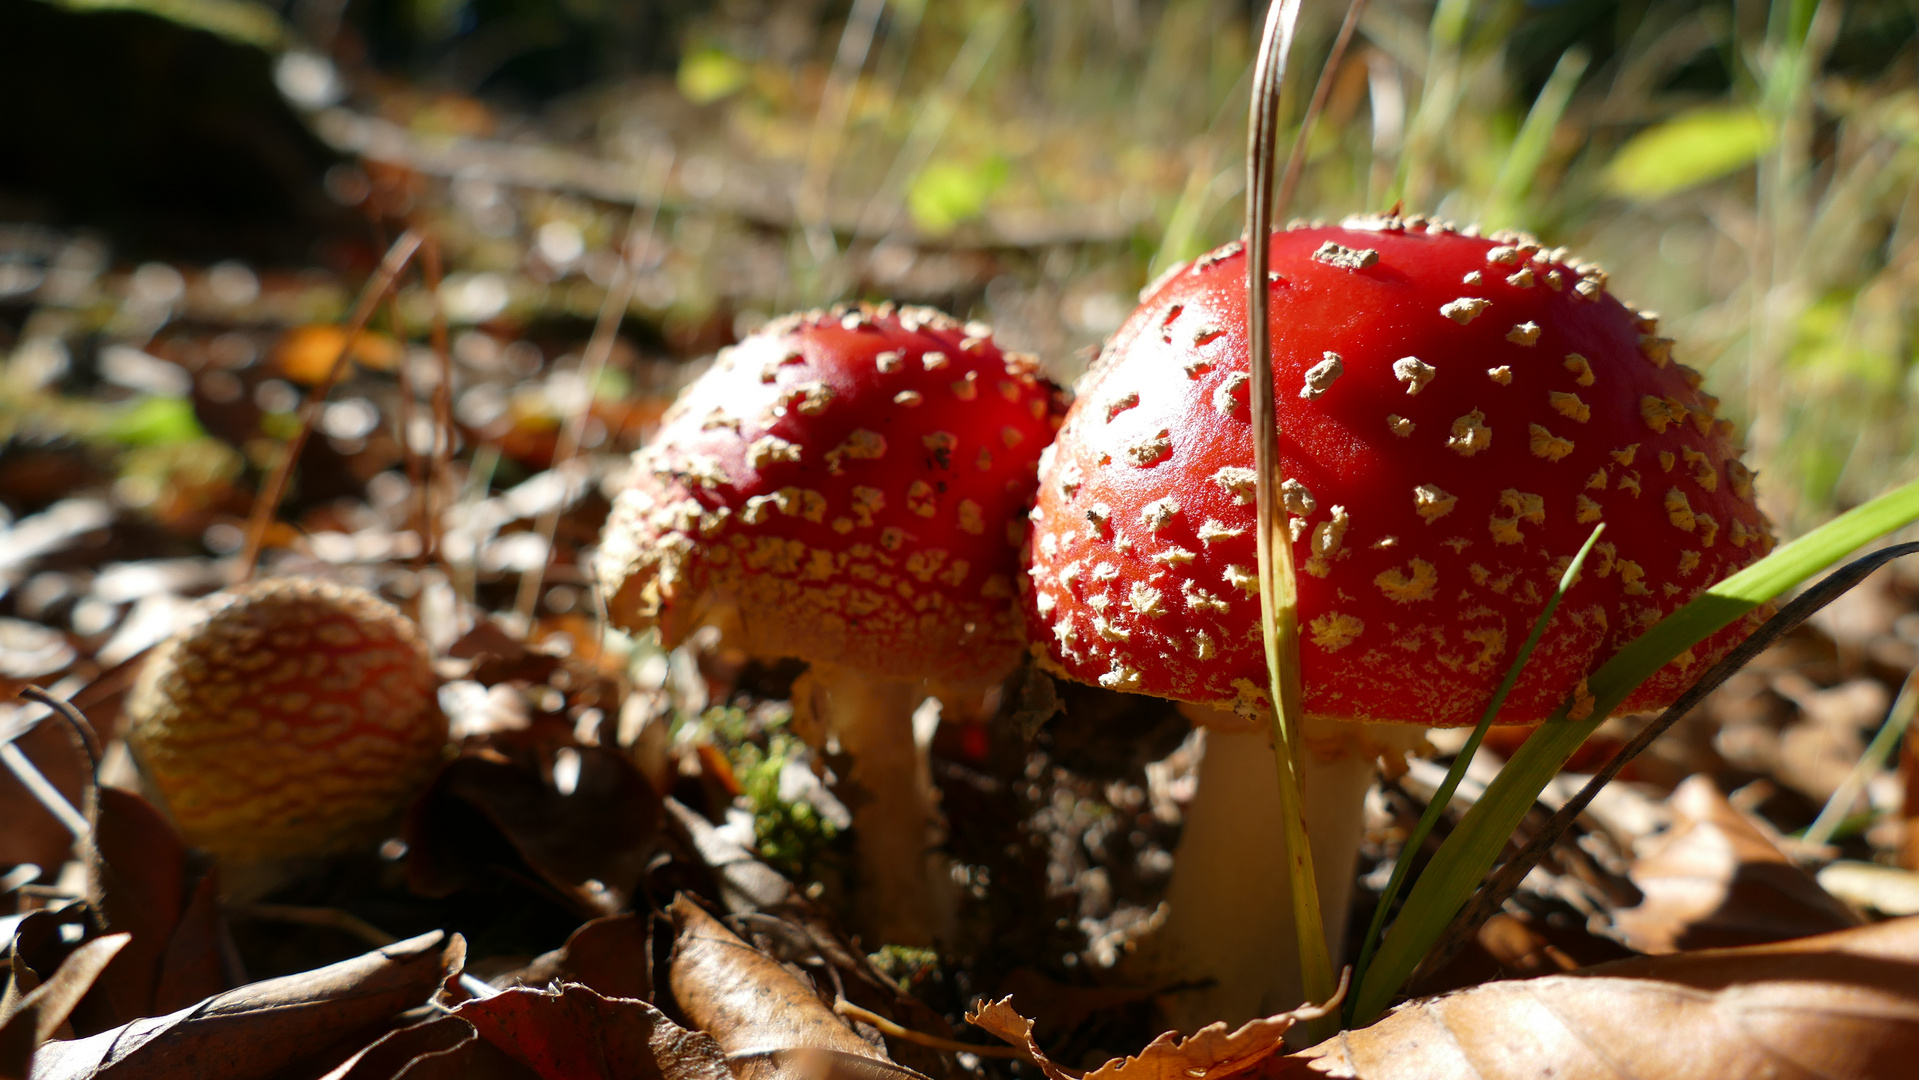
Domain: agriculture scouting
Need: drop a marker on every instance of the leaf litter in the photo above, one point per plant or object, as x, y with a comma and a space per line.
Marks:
624, 856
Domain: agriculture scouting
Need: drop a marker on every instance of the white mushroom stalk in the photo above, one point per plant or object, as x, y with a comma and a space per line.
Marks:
848, 484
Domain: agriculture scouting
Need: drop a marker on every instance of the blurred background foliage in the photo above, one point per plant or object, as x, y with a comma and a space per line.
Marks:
1749, 169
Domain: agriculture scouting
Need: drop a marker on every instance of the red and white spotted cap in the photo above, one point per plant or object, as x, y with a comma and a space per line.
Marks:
1457, 412
843, 487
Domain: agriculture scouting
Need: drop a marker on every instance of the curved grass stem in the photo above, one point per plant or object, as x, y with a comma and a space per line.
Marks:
1278, 588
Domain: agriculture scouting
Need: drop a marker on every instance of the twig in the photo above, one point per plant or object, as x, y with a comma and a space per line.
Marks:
442, 400
415, 467
43, 791
89, 738
829, 128
267, 504
905, 1034
619, 294
1504, 883
1296, 161
1278, 588
1897, 723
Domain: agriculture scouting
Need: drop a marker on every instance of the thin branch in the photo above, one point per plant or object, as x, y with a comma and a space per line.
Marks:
1296, 161
619, 295
267, 504
89, 738
43, 790
905, 1034
415, 467
1503, 884
443, 432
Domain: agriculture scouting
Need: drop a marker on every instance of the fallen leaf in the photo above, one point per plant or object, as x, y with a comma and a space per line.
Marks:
608, 955
1888, 890
1207, 1054
438, 1047
1715, 880
35, 1018
770, 1023
1060, 1008
141, 880
590, 846
785, 923
259, 1029
573, 1033
1839, 1006
570, 1033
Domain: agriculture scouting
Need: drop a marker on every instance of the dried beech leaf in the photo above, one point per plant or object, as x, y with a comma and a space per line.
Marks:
261, 1028
39, 1014
137, 879
388, 1056
1209, 1053
1714, 880
607, 954
575, 1034
751, 889
190, 969
1840, 1006
771, 1025
589, 846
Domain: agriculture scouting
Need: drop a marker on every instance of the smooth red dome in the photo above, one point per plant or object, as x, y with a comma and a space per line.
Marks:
844, 487
1456, 414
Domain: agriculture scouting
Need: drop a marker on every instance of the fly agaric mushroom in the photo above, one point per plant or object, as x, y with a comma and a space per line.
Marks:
293, 717
847, 488
1457, 413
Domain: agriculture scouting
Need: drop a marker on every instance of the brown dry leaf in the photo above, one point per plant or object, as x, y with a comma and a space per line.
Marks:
140, 881
442, 1046
1714, 880
1207, 1054
38, 1015
261, 1028
570, 1033
484, 813
770, 1023
787, 925
1840, 1006
575, 1034
609, 955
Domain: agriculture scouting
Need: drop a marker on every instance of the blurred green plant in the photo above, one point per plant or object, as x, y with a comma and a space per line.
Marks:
947, 193
1690, 149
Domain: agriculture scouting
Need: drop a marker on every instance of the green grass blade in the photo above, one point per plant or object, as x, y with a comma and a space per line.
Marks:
1466, 856
1443, 796
1839, 806
1515, 179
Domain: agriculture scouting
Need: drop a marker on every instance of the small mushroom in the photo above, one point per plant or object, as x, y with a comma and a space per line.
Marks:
847, 488
290, 717
1429, 528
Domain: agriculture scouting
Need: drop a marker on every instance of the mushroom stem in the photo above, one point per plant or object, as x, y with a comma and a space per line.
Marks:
905, 895
1230, 913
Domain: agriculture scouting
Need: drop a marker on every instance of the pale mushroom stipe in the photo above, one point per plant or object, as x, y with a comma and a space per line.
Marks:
1447, 448
848, 488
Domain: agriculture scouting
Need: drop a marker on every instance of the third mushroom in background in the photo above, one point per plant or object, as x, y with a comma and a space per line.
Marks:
1456, 413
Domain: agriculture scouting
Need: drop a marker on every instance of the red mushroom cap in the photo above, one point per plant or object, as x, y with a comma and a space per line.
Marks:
1456, 414
852, 485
